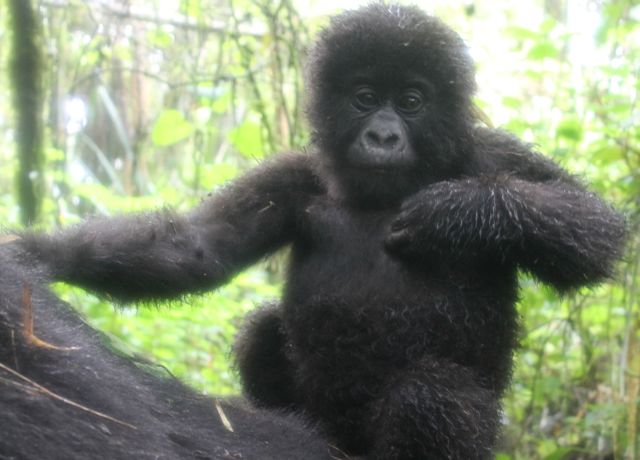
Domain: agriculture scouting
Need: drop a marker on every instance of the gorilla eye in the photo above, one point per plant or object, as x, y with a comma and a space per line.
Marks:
366, 99
410, 102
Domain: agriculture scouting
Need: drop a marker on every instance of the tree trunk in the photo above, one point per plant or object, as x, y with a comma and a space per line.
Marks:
26, 76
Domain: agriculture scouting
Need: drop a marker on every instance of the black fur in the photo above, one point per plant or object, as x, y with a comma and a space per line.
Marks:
151, 416
408, 223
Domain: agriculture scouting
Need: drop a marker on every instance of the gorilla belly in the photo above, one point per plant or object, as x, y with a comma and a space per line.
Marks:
350, 302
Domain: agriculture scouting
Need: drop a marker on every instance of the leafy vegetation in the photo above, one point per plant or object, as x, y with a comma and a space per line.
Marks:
158, 103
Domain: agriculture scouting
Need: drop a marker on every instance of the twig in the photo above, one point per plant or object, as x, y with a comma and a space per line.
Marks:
22, 386
4, 239
342, 455
149, 16
27, 323
13, 350
223, 417
37, 387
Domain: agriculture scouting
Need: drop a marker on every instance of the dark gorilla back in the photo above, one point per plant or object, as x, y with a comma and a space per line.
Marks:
83, 400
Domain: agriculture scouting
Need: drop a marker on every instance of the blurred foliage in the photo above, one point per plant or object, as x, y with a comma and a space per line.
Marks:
154, 103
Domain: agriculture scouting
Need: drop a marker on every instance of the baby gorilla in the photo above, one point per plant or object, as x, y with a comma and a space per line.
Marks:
408, 225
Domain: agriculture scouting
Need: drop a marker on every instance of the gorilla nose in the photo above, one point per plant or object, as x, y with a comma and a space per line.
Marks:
382, 138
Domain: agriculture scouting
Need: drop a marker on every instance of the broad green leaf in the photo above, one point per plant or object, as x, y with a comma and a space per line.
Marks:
521, 33
607, 153
54, 154
247, 139
501, 456
570, 128
223, 103
512, 102
160, 38
217, 174
544, 50
170, 128
560, 453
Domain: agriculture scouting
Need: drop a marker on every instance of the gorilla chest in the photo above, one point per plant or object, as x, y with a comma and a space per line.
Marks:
342, 251
341, 255
343, 283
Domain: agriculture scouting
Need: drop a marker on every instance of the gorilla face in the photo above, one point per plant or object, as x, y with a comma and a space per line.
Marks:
389, 102
382, 138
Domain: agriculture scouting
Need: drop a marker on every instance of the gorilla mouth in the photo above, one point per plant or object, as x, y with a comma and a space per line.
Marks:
380, 159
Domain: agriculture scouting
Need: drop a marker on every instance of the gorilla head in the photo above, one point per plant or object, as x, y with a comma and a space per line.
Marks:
389, 100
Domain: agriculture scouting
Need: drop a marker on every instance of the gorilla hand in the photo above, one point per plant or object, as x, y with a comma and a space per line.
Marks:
451, 219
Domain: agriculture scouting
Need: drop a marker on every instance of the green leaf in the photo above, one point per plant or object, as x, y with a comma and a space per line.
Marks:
606, 154
192, 8
107, 201
502, 456
570, 128
170, 128
521, 33
217, 174
160, 38
559, 454
247, 139
541, 51
223, 103
512, 102
54, 154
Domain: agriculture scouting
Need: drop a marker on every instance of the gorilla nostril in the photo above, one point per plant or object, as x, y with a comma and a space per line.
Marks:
391, 140
375, 138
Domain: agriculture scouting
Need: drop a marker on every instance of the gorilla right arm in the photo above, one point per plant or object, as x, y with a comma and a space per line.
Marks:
160, 255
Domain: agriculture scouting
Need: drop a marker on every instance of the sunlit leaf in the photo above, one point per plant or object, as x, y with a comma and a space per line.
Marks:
560, 453
170, 128
160, 38
247, 139
522, 33
222, 104
544, 50
501, 456
570, 128
512, 102
217, 174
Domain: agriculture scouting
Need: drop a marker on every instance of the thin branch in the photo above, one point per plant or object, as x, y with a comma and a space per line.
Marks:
39, 388
144, 15
223, 417
27, 324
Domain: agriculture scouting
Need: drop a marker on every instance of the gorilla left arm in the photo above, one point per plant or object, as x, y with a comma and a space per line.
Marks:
521, 207
160, 255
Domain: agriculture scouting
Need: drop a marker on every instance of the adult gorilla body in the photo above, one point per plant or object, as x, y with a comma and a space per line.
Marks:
408, 226
67, 395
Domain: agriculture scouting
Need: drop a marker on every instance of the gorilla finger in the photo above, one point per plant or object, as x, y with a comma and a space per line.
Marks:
398, 225
398, 239
403, 220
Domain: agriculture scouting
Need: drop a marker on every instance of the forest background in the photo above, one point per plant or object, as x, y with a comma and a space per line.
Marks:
149, 103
